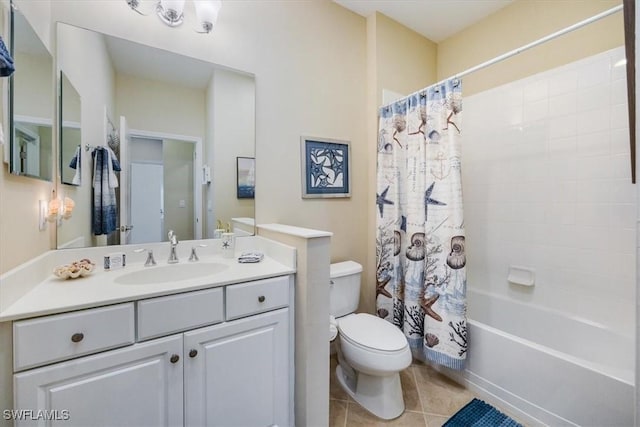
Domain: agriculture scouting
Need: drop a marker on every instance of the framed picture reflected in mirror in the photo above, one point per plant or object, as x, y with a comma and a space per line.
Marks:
246, 177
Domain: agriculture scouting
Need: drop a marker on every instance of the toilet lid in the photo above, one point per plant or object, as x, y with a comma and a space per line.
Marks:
372, 331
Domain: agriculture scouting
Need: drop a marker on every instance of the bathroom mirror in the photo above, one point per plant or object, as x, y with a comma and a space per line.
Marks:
70, 132
30, 102
174, 126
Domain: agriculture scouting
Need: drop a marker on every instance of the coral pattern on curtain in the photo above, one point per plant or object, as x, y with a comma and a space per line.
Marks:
420, 256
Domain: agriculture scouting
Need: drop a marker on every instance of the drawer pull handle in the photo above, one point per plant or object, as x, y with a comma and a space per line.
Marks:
193, 353
77, 337
174, 358
261, 298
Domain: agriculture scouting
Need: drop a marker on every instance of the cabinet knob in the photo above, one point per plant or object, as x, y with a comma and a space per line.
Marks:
261, 298
77, 337
174, 358
193, 353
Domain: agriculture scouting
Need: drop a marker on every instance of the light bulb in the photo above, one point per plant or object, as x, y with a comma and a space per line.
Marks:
207, 13
170, 11
67, 207
54, 207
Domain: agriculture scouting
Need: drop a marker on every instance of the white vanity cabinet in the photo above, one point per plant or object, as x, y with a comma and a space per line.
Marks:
237, 373
139, 385
221, 356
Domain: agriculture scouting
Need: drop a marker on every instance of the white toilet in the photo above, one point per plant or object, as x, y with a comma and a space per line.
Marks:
371, 351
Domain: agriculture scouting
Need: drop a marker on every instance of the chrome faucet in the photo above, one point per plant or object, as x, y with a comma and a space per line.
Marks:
194, 256
150, 261
173, 241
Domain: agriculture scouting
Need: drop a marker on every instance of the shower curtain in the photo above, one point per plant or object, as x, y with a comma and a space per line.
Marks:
420, 257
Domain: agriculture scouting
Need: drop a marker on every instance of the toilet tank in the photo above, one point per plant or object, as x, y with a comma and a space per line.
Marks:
344, 288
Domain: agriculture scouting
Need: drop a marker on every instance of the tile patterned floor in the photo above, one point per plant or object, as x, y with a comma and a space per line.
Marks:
430, 398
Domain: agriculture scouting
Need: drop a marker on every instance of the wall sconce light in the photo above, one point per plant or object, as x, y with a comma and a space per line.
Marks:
171, 12
55, 210
67, 207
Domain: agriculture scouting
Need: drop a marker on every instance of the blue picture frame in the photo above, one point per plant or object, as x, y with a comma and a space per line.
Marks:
325, 165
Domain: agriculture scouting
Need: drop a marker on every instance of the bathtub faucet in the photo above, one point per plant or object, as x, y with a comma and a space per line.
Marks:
173, 241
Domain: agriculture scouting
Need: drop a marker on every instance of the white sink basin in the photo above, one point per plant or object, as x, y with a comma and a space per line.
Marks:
170, 273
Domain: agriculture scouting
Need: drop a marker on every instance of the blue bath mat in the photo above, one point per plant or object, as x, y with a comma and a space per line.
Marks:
480, 414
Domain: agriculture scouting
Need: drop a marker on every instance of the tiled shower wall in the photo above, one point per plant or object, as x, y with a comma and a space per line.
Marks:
546, 178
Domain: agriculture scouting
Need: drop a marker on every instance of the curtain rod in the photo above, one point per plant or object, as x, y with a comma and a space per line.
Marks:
527, 46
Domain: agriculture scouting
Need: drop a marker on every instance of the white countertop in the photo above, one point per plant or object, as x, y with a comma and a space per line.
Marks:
53, 295
305, 233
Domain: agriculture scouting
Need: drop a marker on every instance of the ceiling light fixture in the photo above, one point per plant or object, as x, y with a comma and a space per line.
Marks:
171, 12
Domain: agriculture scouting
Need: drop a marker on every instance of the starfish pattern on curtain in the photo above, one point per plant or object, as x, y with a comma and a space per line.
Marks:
420, 257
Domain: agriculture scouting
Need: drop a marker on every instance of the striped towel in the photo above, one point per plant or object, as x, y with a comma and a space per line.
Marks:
250, 256
105, 206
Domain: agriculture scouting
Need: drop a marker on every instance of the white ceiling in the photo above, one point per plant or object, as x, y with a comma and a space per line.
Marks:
434, 19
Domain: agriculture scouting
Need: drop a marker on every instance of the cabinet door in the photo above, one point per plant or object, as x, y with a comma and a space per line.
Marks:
137, 386
240, 373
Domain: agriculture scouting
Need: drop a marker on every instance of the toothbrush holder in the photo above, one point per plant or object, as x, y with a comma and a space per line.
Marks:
228, 245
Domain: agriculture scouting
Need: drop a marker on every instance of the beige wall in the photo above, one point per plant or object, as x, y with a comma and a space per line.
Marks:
46, 153
21, 239
156, 106
403, 61
32, 86
70, 114
314, 85
233, 135
523, 22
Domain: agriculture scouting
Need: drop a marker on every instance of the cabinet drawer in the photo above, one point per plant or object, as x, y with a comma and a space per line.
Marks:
256, 297
175, 313
64, 336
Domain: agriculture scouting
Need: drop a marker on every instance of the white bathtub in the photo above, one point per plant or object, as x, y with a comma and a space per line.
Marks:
548, 367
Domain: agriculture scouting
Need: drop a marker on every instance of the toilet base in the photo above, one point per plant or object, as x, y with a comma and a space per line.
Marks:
380, 395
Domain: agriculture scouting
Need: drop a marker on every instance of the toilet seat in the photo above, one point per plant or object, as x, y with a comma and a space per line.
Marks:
372, 333
372, 351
